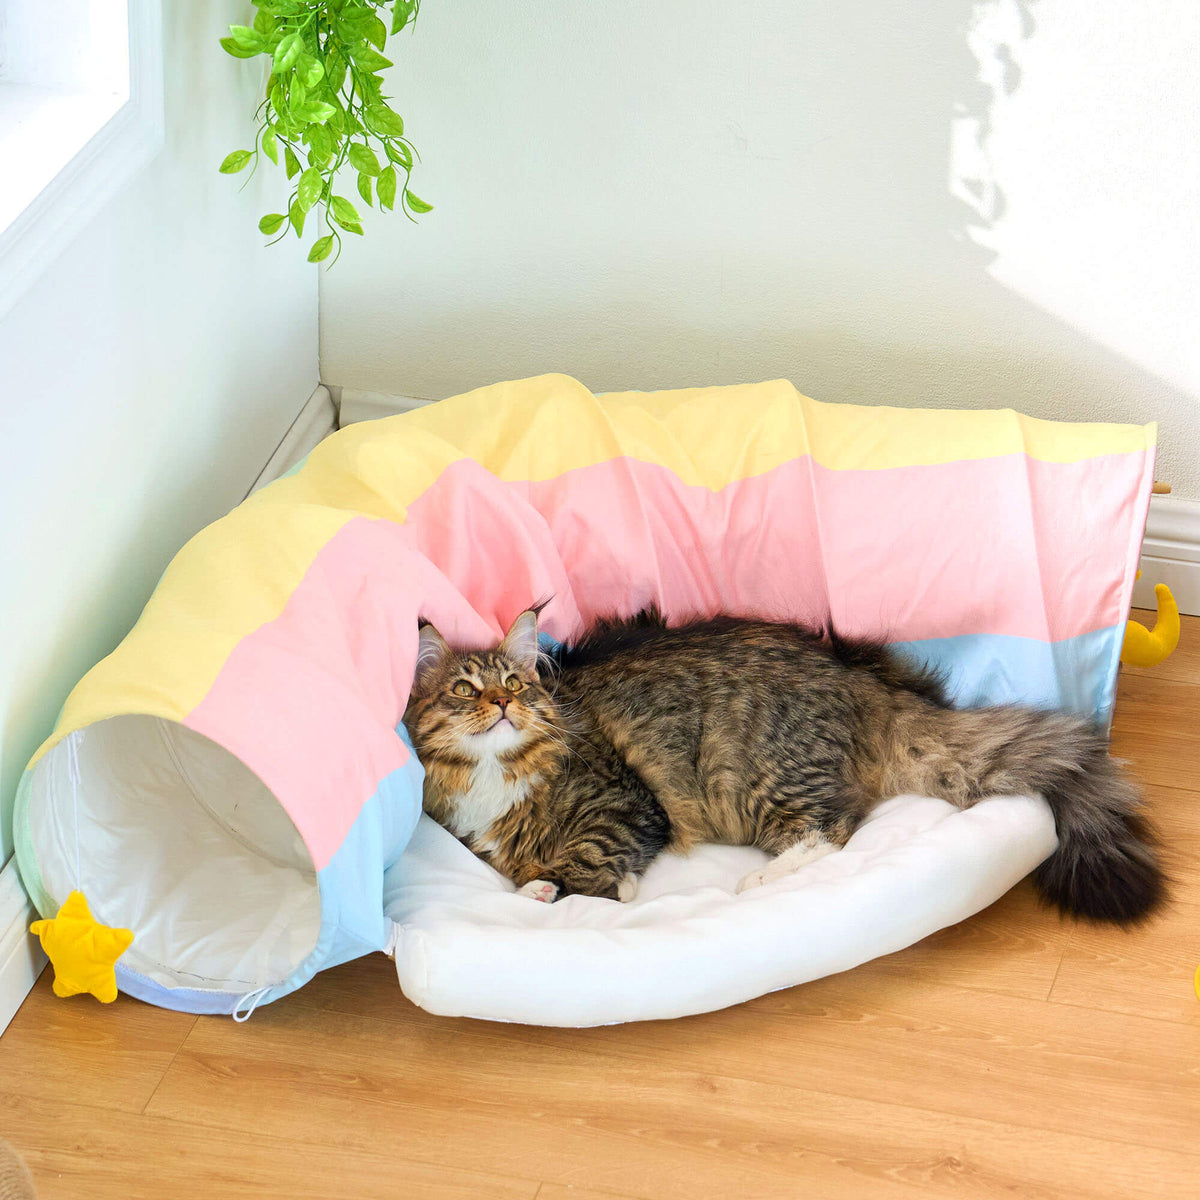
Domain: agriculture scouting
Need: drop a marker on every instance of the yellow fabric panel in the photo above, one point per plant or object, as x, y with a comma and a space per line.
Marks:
199, 612
713, 436
847, 437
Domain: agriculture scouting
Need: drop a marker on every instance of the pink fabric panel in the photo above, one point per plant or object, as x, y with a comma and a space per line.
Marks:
493, 547
309, 701
630, 533
904, 553
1002, 545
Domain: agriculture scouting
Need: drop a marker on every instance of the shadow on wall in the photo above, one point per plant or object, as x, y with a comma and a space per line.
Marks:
798, 190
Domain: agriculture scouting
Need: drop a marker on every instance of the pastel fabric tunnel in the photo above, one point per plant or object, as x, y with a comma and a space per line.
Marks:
234, 784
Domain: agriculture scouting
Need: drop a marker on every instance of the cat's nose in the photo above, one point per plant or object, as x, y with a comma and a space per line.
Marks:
502, 702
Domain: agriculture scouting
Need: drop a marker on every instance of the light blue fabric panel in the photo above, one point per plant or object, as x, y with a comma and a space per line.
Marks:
352, 917
1077, 674
193, 1000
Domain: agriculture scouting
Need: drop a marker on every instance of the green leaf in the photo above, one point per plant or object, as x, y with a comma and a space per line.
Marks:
345, 214
321, 249
368, 59
264, 22
335, 71
270, 147
381, 119
364, 187
337, 123
310, 71
416, 203
353, 24
313, 112
320, 141
386, 187
289, 49
377, 33
403, 11
296, 213
231, 47
271, 223
308, 190
398, 152
234, 162
370, 87
247, 39
291, 162
363, 159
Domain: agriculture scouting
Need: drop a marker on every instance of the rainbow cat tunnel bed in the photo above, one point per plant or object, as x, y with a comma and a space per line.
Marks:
234, 783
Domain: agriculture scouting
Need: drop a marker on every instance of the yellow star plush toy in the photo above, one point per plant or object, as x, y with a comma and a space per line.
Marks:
82, 950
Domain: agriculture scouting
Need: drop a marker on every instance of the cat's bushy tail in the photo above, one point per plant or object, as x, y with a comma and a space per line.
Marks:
1105, 867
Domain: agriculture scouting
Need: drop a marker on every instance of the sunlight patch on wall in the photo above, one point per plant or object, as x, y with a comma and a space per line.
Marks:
1082, 170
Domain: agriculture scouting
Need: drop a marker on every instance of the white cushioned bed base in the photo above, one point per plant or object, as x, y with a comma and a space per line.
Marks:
467, 945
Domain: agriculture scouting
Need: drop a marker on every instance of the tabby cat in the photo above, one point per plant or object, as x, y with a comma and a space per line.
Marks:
571, 773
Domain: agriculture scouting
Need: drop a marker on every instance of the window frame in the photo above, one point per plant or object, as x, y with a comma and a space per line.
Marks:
98, 169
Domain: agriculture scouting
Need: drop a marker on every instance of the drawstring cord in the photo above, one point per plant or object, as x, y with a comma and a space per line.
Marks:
254, 998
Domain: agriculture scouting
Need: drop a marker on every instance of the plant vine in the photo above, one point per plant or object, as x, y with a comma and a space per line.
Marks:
324, 110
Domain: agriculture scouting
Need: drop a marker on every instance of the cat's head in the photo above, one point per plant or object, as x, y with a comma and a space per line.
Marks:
479, 703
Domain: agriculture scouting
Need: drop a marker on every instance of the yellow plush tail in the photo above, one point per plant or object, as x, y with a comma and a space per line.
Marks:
1144, 647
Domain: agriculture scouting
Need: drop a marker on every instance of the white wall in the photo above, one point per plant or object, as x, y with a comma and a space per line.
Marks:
687, 192
144, 381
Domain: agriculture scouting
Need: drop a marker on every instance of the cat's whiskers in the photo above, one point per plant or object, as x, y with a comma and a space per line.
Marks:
558, 735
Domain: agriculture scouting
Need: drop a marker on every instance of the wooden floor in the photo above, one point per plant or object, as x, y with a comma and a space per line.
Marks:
1013, 1056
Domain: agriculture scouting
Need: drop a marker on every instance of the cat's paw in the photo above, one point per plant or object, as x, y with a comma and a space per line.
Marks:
809, 849
753, 880
627, 888
539, 889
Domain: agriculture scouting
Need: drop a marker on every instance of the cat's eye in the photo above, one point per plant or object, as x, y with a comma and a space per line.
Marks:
463, 688
513, 684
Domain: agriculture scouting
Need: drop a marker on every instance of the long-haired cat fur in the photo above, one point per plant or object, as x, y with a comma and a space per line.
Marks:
571, 774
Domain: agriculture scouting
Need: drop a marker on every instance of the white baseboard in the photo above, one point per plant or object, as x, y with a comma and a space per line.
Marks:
355, 405
21, 957
1171, 554
315, 421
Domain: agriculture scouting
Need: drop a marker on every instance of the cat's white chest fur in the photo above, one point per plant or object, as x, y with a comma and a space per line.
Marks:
485, 801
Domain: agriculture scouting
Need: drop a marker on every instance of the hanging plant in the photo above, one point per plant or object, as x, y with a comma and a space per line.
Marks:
324, 112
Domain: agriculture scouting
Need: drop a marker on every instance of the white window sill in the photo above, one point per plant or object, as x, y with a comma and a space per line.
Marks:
64, 154
43, 129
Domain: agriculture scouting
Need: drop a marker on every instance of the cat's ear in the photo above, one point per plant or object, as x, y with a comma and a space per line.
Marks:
520, 643
431, 653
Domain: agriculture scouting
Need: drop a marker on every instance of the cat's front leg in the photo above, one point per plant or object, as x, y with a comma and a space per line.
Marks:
608, 882
539, 889
808, 848
547, 893
551, 881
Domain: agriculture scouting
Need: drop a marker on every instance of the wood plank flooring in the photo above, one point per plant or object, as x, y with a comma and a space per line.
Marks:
1016, 1055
